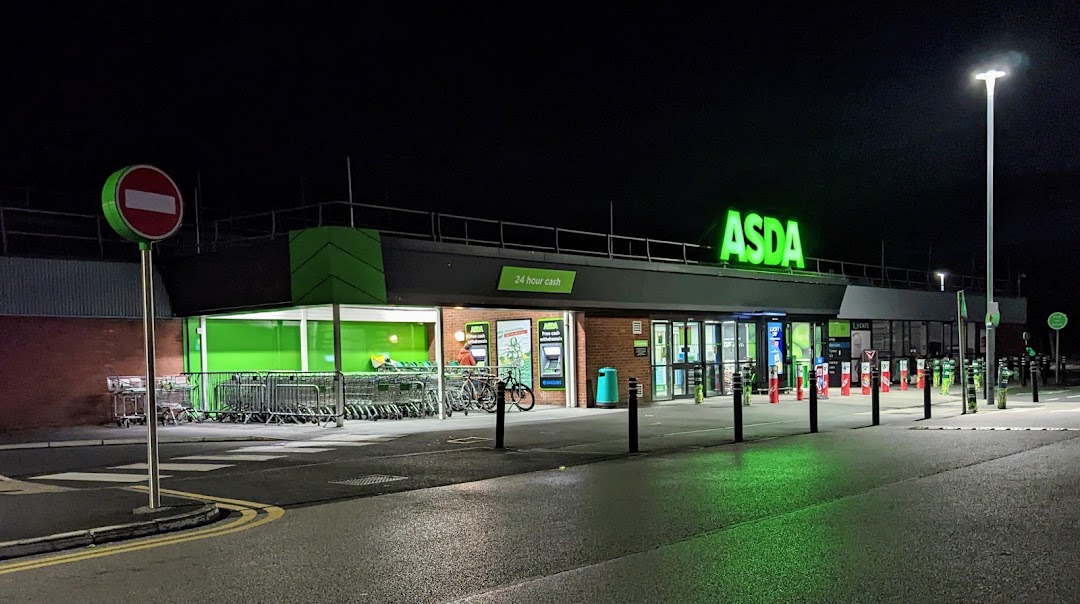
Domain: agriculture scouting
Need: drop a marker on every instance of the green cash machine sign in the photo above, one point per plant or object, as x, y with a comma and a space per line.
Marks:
539, 280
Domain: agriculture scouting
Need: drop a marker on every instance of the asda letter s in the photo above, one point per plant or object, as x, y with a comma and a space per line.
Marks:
759, 240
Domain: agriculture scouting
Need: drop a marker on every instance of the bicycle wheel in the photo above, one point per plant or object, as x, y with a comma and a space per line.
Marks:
485, 397
521, 396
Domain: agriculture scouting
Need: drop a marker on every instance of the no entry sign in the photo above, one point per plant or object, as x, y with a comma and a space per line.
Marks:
142, 204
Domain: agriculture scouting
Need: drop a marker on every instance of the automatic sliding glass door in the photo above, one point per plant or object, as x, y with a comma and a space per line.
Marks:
661, 360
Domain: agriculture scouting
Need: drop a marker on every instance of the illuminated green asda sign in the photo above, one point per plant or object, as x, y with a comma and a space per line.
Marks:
761, 240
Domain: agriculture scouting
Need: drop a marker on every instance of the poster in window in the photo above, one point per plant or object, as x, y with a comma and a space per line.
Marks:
860, 338
513, 346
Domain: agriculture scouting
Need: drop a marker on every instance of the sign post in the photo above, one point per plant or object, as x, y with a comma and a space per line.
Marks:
142, 204
968, 404
1057, 321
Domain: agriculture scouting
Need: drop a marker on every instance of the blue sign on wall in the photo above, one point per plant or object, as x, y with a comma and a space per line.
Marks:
776, 345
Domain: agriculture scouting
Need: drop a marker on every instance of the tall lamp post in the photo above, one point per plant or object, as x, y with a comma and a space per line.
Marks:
990, 77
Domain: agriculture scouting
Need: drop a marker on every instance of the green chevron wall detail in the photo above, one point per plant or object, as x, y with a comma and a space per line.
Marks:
336, 265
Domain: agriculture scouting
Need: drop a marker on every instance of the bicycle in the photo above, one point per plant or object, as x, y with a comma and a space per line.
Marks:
516, 392
477, 391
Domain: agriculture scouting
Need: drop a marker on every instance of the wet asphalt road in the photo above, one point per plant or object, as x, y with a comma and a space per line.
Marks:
874, 515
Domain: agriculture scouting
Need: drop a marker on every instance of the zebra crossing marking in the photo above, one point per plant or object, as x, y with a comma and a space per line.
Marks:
96, 477
176, 467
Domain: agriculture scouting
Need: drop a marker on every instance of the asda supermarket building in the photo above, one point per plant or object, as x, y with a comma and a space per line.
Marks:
259, 293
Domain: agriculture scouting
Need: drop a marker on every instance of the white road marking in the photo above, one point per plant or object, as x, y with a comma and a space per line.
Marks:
1024, 409
1073, 410
324, 443
96, 477
236, 457
278, 449
378, 438
1073, 396
177, 467
10, 486
150, 202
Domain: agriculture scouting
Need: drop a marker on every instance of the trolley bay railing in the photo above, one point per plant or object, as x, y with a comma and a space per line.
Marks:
299, 397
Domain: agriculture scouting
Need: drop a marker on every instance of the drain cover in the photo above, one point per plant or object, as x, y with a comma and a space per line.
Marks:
364, 481
468, 440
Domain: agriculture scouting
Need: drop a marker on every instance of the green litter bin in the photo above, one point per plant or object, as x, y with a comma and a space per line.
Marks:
607, 388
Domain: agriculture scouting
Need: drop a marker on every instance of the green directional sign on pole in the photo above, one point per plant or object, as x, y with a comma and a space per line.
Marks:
1057, 321
539, 280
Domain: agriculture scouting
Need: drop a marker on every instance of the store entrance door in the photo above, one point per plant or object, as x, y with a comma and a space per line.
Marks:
687, 348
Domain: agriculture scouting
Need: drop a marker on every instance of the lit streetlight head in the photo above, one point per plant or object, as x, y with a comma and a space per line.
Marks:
990, 77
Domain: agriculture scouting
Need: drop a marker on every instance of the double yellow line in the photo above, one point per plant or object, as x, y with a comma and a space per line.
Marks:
249, 519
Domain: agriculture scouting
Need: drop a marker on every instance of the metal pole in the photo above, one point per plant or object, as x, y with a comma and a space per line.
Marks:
737, 388
633, 423
204, 357
154, 477
440, 366
991, 333
1057, 356
304, 363
927, 383
198, 229
3, 233
1034, 384
611, 228
962, 339
348, 166
500, 414
813, 400
339, 377
875, 396
570, 354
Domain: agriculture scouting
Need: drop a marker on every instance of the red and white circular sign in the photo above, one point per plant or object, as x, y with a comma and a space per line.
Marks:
146, 201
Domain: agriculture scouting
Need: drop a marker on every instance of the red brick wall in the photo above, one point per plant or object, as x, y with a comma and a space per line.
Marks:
53, 370
609, 342
455, 319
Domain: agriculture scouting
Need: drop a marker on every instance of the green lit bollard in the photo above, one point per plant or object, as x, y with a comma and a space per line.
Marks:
946, 375
976, 368
1003, 385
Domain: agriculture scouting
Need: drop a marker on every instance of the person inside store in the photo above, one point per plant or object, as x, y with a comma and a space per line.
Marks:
465, 357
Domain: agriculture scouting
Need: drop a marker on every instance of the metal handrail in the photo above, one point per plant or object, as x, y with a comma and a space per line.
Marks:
449, 228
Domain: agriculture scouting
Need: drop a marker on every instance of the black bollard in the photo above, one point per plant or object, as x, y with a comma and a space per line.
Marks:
813, 401
926, 401
737, 388
500, 414
875, 397
1025, 367
1034, 385
633, 415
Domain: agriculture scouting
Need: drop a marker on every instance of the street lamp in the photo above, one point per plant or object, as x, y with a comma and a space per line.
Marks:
989, 78
941, 276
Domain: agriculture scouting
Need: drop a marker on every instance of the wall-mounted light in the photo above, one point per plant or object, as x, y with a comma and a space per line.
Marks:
941, 276
393, 339
459, 336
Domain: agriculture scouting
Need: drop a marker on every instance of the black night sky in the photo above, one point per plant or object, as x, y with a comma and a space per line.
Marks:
862, 121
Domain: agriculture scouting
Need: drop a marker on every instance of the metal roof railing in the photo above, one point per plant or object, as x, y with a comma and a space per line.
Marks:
46, 233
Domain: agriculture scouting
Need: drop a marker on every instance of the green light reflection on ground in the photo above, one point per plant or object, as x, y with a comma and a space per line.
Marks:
794, 558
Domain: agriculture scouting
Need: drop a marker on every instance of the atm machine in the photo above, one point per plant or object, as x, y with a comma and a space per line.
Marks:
552, 361
480, 354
